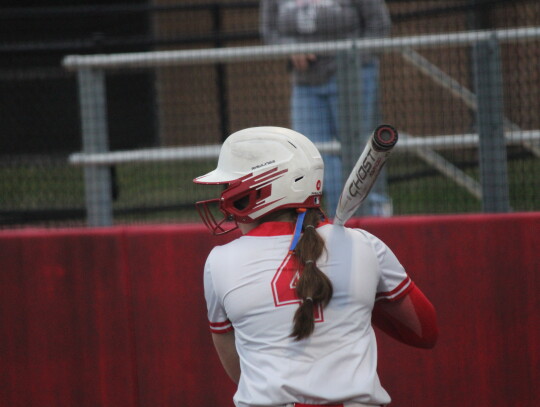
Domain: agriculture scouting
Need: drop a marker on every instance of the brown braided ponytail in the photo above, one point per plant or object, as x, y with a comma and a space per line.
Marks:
313, 287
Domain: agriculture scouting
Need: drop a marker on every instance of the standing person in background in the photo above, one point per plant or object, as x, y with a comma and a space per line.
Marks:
291, 302
314, 99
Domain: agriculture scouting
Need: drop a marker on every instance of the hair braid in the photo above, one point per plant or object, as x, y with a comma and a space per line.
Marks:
314, 287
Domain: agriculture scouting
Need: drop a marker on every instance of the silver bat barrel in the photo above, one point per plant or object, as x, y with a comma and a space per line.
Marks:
365, 172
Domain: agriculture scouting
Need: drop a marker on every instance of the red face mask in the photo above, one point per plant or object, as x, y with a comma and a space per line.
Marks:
238, 202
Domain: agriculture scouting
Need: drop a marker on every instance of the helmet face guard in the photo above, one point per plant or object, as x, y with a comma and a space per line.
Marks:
239, 201
218, 227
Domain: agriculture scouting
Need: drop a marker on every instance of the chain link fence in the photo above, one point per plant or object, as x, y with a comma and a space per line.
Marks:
117, 138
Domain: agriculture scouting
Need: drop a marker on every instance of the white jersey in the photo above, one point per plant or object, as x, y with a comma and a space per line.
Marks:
249, 287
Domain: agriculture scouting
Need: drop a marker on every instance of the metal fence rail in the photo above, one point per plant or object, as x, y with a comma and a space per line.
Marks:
268, 52
407, 143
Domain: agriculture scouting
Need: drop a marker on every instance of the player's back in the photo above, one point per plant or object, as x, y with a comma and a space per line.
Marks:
254, 279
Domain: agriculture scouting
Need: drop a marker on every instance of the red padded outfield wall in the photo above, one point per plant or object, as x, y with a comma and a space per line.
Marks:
116, 317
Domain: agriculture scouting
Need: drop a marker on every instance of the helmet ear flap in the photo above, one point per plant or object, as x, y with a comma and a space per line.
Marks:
264, 192
243, 203
252, 198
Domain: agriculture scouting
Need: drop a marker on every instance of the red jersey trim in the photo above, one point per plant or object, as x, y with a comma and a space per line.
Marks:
400, 291
221, 327
276, 229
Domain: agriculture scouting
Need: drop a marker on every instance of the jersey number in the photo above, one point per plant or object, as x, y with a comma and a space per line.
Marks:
284, 286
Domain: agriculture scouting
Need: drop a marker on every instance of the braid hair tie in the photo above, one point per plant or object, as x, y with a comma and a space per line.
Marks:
309, 299
308, 262
309, 226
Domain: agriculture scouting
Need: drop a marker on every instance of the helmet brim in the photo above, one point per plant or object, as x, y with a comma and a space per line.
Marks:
218, 176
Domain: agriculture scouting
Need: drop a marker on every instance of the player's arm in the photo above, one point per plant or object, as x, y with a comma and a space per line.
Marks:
411, 319
226, 350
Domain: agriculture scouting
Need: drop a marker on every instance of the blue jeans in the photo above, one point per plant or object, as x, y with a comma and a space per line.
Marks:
315, 114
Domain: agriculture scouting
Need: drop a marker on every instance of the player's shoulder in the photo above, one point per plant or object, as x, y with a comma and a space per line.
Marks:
223, 250
338, 230
357, 236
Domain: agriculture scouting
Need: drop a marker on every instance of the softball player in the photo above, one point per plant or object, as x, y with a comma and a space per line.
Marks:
292, 301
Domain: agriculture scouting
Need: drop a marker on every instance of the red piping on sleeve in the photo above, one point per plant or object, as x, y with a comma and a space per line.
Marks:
221, 327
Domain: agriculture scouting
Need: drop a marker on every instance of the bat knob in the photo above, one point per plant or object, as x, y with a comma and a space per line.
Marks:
384, 137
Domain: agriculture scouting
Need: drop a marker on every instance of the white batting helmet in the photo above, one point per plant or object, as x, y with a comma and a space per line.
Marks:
265, 169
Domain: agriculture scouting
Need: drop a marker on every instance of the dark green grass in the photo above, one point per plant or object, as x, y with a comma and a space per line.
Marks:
416, 188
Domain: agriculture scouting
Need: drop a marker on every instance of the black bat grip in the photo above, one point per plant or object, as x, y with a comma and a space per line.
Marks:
384, 138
